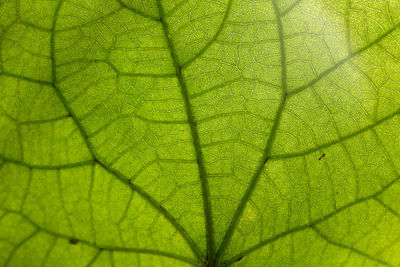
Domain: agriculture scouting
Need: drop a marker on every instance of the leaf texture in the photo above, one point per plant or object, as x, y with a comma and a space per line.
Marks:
199, 132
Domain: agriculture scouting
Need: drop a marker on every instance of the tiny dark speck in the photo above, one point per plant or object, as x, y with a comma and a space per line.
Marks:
323, 155
73, 241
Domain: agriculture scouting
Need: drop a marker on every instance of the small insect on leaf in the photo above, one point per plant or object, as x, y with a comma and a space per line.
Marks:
323, 155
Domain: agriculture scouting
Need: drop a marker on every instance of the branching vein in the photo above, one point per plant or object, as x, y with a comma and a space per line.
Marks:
195, 138
98, 160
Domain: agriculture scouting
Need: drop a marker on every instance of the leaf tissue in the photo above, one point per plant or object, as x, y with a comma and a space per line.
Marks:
199, 133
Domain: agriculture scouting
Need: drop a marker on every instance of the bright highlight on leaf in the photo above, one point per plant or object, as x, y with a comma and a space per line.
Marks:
199, 132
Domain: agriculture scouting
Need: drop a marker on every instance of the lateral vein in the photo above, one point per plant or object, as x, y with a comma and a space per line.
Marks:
256, 177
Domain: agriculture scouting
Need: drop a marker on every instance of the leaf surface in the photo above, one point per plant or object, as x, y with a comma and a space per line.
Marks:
199, 132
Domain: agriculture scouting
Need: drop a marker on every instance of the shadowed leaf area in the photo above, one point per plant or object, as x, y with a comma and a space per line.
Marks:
199, 133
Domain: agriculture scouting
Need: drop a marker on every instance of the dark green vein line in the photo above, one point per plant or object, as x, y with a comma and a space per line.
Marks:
284, 13
227, 83
99, 246
216, 87
344, 138
105, 126
20, 244
196, 141
159, 121
328, 240
49, 250
211, 41
17, 13
27, 190
233, 141
62, 202
96, 158
90, 61
173, 10
239, 211
95, 257
28, 79
343, 146
47, 167
112, 260
311, 224
152, 75
341, 62
155, 205
282, 47
3, 32
33, 26
232, 114
20, 141
52, 51
60, 118
103, 17
387, 207
137, 11
256, 177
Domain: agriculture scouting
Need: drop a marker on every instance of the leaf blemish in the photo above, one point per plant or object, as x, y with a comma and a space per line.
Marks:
73, 241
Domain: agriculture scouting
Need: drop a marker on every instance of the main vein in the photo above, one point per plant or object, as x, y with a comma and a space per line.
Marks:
97, 159
257, 174
195, 138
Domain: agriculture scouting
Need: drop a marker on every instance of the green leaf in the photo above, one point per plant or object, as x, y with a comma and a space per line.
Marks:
199, 132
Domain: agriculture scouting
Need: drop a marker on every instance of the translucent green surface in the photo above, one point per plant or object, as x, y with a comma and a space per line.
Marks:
199, 132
